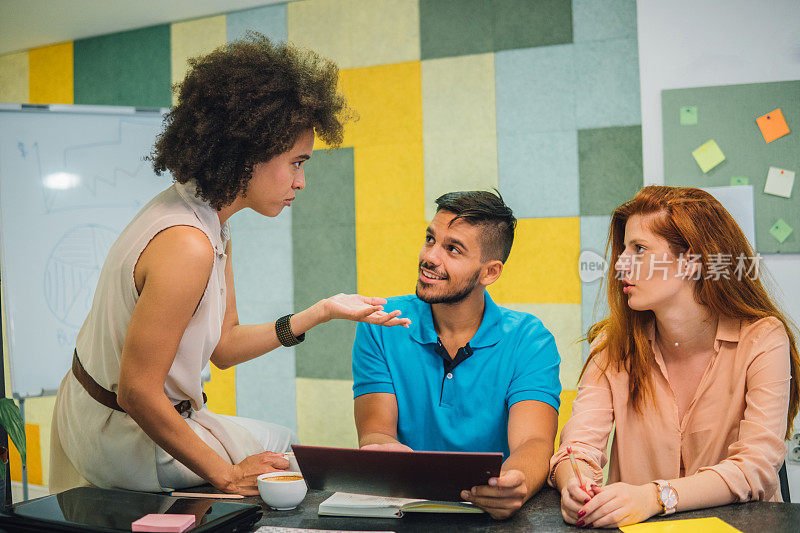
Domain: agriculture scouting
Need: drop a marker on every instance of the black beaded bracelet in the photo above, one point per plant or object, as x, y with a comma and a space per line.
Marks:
284, 332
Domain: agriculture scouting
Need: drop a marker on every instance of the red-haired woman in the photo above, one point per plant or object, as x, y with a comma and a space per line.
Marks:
695, 368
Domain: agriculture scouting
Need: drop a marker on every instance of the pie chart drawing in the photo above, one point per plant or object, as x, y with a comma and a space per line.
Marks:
73, 269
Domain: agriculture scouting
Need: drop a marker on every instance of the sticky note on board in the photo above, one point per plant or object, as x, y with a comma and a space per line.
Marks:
689, 115
779, 182
740, 180
708, 156
781, 230
772, 125
692, 525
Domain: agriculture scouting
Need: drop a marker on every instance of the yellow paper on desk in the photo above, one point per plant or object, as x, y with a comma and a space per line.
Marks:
706, 525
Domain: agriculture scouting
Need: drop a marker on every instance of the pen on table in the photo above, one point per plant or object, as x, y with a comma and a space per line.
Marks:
575, 468
207, 495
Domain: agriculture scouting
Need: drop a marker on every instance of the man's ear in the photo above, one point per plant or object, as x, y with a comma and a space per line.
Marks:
491, 271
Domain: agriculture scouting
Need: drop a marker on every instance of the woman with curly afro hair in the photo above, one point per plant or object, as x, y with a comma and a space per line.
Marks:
130, 413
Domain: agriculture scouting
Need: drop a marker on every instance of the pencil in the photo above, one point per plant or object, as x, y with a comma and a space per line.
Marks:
575, 467
207, 495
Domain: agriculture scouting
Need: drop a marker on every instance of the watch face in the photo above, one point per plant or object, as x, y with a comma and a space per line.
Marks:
669, 497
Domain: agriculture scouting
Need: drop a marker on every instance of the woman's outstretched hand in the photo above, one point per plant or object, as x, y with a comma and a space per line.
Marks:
361, 309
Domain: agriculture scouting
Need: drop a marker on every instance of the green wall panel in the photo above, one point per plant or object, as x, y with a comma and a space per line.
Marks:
461, 27
727, 114
324, 259
130, 68
610, 167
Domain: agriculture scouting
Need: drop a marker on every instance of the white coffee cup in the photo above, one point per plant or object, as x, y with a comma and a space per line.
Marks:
282, 495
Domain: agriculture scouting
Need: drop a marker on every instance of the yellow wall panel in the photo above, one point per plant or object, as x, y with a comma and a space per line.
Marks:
564, 322
543, 266
221, 391
193, 38
34, 456
460, 128
388, 183
390, 227
567, 397
388, 256
325, 412
50, 74
388, 100
357, 33
14, 78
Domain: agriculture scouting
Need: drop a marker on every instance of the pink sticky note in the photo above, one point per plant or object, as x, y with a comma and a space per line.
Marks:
164, 523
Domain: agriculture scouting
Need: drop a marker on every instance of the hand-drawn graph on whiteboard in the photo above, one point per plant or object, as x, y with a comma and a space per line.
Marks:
88, 174
73, 269
69, 183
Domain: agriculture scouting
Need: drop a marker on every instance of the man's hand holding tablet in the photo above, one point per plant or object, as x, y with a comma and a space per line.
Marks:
502, 497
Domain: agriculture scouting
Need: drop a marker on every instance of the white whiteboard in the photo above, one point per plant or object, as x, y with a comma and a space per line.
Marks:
71, 178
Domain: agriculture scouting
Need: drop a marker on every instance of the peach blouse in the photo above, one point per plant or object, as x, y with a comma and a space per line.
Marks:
734, 425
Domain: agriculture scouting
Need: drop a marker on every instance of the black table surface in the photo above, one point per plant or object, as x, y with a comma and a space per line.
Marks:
540, 513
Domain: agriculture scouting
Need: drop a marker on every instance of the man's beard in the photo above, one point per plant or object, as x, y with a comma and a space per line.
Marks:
453, 297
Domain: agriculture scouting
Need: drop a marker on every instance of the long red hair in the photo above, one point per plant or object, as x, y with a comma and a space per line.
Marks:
691, 221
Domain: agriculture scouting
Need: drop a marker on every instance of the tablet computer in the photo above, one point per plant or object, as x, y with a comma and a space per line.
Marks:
85, 509
428, 475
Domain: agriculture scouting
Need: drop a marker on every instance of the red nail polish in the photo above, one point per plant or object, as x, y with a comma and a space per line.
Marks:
580, 515
580, 523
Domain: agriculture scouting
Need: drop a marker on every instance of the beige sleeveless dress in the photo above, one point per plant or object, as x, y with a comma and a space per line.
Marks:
92, 444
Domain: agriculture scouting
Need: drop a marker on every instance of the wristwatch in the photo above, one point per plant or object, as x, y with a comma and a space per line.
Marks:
667, 497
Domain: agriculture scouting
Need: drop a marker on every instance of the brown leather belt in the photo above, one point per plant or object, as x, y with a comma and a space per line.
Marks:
105, 396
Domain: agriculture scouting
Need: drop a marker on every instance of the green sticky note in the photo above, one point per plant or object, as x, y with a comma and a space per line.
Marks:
740, 180
708, 156
781, 230
689, 115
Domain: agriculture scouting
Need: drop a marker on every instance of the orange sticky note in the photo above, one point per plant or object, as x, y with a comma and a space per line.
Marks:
772, 125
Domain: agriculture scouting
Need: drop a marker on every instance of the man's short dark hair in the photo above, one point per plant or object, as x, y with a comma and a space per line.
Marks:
487, 210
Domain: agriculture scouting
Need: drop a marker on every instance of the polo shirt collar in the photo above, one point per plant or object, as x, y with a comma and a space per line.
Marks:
488, 334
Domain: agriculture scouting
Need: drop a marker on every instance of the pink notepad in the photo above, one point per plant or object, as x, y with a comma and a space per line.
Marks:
164, 523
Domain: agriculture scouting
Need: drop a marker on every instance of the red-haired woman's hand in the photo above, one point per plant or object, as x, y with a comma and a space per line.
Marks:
620, 504
573, 498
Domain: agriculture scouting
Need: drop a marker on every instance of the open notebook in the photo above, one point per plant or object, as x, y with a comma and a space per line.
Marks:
348, 504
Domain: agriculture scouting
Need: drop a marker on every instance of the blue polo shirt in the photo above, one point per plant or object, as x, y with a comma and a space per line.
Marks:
461, 407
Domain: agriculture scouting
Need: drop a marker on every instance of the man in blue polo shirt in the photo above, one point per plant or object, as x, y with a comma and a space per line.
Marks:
467, 375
